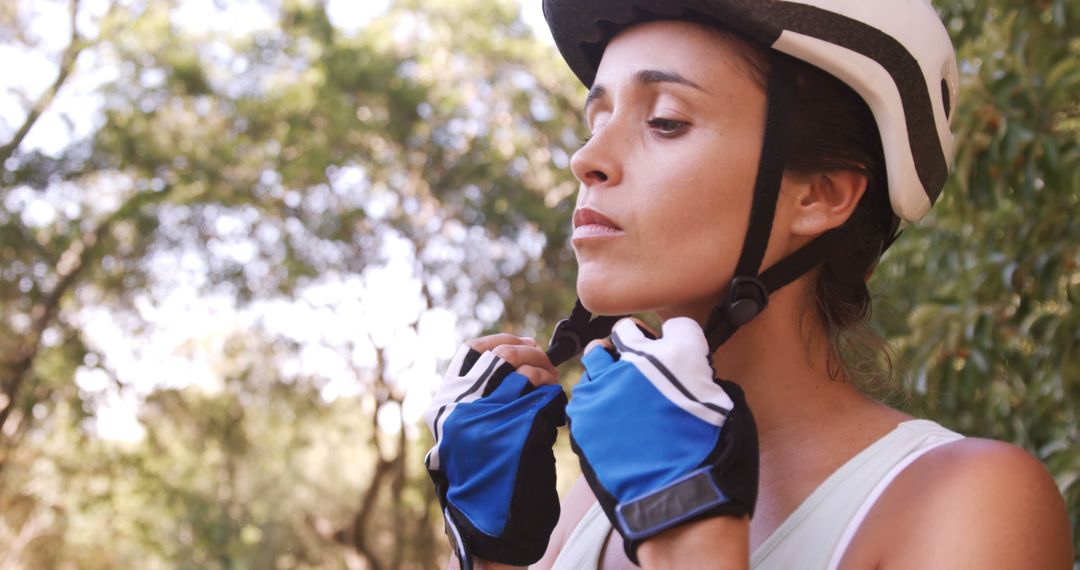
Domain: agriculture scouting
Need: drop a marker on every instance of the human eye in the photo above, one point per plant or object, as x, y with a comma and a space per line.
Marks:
668, 127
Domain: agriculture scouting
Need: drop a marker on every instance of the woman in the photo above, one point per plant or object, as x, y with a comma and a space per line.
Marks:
698, 119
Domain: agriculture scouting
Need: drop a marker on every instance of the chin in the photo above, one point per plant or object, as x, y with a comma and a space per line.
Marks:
604, 298
605, 293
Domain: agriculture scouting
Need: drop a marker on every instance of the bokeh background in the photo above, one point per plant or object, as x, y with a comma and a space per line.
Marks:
239, 240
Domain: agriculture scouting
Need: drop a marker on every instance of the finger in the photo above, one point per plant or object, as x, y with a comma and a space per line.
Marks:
520, 355
603, 342
538, 376
486, 343
597, 359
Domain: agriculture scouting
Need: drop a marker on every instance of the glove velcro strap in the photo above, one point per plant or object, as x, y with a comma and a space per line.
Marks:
651, 514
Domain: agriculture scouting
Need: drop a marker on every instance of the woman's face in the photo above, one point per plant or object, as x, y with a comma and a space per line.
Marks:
676, 122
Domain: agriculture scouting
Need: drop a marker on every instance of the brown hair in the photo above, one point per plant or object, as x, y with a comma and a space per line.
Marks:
832, 128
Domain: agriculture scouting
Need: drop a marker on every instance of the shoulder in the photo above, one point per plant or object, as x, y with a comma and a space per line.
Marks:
969, 503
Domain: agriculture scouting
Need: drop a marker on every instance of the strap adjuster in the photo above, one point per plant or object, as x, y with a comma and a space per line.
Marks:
572, 334
749, 297
564, 333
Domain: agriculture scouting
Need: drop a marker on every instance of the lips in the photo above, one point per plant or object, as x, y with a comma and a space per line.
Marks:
590, 225
586, 216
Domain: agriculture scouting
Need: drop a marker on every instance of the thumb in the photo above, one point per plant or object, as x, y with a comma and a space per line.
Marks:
687, 332
596, 361
627, 334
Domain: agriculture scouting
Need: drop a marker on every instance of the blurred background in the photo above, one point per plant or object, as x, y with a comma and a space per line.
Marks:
239, 240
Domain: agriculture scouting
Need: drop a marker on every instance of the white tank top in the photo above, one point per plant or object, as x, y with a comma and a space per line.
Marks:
817, 534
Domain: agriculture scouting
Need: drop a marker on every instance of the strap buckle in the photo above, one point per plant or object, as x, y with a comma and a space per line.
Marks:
558, 349
749, 297
572, 334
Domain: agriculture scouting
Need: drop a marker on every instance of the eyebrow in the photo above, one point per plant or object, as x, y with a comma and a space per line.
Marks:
644, 77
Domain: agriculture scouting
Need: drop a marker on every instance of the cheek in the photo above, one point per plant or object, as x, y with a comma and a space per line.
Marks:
696, 244
683, 248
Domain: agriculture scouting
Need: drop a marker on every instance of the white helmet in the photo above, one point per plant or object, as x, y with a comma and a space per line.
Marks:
895, 54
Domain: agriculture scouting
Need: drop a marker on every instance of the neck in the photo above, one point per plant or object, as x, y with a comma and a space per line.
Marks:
808, 423
781, 361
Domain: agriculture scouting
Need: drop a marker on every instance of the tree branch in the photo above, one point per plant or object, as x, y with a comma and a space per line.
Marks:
397, 487
36, 525
382, 469
73, 261
67, 64
71, 264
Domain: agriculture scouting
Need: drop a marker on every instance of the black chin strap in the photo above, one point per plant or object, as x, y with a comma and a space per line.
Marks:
748, 295
749, 292
572, 334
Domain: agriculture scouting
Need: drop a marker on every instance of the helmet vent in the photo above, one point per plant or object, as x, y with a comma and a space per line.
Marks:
945, 99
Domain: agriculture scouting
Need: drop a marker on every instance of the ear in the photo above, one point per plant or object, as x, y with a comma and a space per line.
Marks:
825, 201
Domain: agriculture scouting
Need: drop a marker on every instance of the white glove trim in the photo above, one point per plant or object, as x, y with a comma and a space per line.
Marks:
456, 390
683, 377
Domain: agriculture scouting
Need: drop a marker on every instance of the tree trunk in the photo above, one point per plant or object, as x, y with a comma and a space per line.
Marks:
67, 64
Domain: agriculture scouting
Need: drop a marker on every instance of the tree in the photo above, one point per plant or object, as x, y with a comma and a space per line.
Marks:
256, 166
983, 295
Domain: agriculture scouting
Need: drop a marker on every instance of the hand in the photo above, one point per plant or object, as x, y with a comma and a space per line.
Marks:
661, 442
494, 421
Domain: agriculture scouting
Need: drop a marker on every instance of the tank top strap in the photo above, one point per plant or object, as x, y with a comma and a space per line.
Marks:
585, 544
817, 533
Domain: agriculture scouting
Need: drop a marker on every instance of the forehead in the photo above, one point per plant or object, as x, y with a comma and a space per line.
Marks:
700, 53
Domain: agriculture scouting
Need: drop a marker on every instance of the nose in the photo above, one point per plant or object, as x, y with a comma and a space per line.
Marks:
598, 161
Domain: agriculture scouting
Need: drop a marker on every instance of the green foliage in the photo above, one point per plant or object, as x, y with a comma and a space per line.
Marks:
990, 282
252, 166
241, 476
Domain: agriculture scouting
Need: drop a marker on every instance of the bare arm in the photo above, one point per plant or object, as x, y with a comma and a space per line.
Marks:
572, 509
718, 542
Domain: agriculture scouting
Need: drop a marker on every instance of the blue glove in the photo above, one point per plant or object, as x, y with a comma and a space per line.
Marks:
492, 463
661, 442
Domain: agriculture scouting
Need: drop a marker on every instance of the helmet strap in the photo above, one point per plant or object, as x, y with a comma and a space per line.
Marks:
574, 333
749, 292
748, 296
